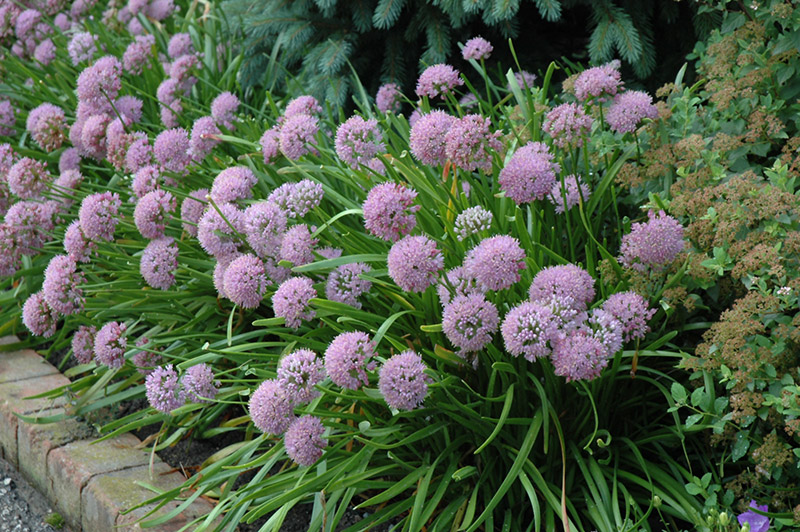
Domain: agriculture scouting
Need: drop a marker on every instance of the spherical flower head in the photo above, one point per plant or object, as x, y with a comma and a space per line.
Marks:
414, 263
299, 372
182, 70
402, 381
82, 47
77, 246
469, 321
146, 180
472, 221
28, 178
598, 81
566, 280
38, 317
8, 117
145, 360
271, 408
46, 125
530, 173
652, 244
628, 109
496, 262
223, 109
139, 155
62, 285
345, 286
110, 344
60, 21
633, 313
358, 141
428, 137
297, 133
180, 44
389, 211
130, 108
457, 282
83, 344
524, 80
477, 48
264, 225
138, 53
93, 136
270, 145
100, 81
291, 301
45, 52
152, 213
438, 80
27, 22
10, 260
469, 143
297, 245
348, 358
117, 142
245, 281
192, 210
70, 160
579, 355
567, 124
303, 440
302, 105
199, 384
205, 136
171, 149
159, 262
98, 215
389, 98
298, 199
757, 522
27, 223
215, 234
219, 273
163, 389
568, 194
528, 329
606, 328
233, 184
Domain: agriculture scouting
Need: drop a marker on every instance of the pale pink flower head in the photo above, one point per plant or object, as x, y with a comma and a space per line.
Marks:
470, 144
82, 47
345, 286
530, 173
302, 105
163, 390
389, 211
297, 245
598, 82
223, 109
567, 124
652, 244
297, 134
28, 178
469, 321
232, 184
265, 223
153, 212
98, 215
633, 312
358, 141
569, 194
159, 262
579, 355
402, 381
299, 372
180, 44
414, 263
217, 230
628, 109
477, 48
564, 281
438, 80
348, 358
496, 262
62, 285
457, 282
146, 179
100, 82
291, 301
47, 126
110, 344
270, 145
171, 149
271, 408
205, 137
528, 329
83, 344
192, 210
38, 317
303, 440
471, 221
138, 53
245, 281
77, 246
199, 384
428, 137
389, 98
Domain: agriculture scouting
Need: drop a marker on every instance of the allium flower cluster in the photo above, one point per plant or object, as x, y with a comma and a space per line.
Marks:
271, 408
496, 262
46, 125
199, 384
302, 105
264, 225
93, 136
530, 174
192, 210
163, 389
28, 178
428, 137
457, 282
568, 194
145, 360
245, 281
297, 245
291, 301
348, 358
564, 281
100, 82
299, 372
215, 234
159, 262
469, 321
62, 285
27, 223
297, 199
146, 180
469, 143
652, 244
171, 149
598, 81
45, 52
389, 98
204, 137
152, 213
70, 160
477, 48
628, 109
8, 117
438, 80
110, 344
524, 80
567, 124
140, 154
528, 330
180, 44
579, 355
402, 381
270, 145
472, 221
345, 286
632, 311
389, 211
414, 263
223, 109
138, 53
182, 71
303, 440
358, 141
232, 184
297, 133
98, 215
38, 317
82, 47
83, 344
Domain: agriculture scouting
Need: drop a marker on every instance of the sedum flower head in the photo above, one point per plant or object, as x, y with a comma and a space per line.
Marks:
469, 321
428, 137
469, 143
628, 109
438, 80
62, 285
348, 358
472, 221
567, 124
303, 440
402, 381
389, 211
477, 48
496, 262
652, 244
110, 344
271, 407
414, 263
83, 343
299, 372
291, 301
199, 384
345, 286
530, 173
245, 281
38, 317
159, 262
163, 389
566, 280
358, 141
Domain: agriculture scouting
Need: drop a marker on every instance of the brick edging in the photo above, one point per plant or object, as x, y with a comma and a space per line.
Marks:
89, 483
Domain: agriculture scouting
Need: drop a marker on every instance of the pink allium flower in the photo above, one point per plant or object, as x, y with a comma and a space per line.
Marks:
38, 317
567, 124
579, 356
234, 183
215, 234
219, 273
438, 80
633, 313
130, 108
159, 262
358, 141
297, 199
298, 372
60, 21
139, 155
138, 53
297, 245
302, 105
598, 81
264, 225
100, 82
223, 109
245, 281
524, 80
65, 186
291, 301
271, 408
146, 180
83, 344
117, 142
180, 44
297, 132
414, 263
348, 358
77, 246
93, 136
472, 221
530, 174
28, 223
70, 160
182, 70
389, 98
469, 321
152, 213
45, 52
457, 282
82, 47
477, 48
345, 286
566, 280
205, 136
110, 344
329, 252
146, 361
604, 327
10, 259
98, 215
199, 384
62, 285
171, 149
628, 109
528, 330
8, 117
469, 143
427, 138
303, 440
192, 210
402, 381
389, 211
653, 244
270, 145
496, 262
28, 178
573, 191
163, 390
26, 22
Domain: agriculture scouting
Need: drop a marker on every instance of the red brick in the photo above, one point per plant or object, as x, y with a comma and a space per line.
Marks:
23, 364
